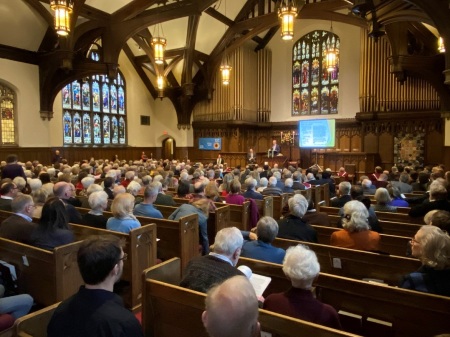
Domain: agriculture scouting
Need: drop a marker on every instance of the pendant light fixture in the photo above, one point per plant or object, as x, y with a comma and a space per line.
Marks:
287, 12
63, 9
159, 43
331, 51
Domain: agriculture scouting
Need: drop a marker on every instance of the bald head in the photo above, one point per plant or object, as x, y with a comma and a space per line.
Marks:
231, 309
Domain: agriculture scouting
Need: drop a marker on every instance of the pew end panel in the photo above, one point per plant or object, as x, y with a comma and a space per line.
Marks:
34, 324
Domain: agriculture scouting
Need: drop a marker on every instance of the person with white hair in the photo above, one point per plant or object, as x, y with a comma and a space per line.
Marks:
98, 202
367, 187
250, 183
431, 245
129, 177
123, 219
356, 233
21, 184
292, 226
301, 267
39, 198
263, 182
231, 309
437, 200
383, 199
86, 182
134, 188
162, 198
272, 188
262, 249
19, 226
344, 195
288, 183
203, 272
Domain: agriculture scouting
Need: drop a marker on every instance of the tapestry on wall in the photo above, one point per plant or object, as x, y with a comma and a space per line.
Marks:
409, 149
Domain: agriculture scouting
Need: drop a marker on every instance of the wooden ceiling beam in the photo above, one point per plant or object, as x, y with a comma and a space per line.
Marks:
132, 9
141, 73
219, 16
18, 54
191, 37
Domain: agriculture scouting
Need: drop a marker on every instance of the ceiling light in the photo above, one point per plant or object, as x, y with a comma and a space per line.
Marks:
62, 9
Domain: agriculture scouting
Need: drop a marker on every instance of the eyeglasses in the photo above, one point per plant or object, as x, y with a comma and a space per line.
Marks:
124, 257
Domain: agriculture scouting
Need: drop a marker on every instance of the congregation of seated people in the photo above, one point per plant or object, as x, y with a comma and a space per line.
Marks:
44, 200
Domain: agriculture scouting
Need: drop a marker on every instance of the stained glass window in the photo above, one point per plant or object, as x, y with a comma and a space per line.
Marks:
89, 106
7, 115
315, 88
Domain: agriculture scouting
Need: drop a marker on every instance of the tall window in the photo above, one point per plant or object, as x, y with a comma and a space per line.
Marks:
8, 116
315, 90
94, 110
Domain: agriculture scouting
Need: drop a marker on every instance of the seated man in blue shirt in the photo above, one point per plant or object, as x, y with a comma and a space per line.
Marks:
262, 249
146, 207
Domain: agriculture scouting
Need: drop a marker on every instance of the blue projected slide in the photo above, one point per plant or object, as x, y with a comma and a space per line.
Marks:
210, 143
317, 133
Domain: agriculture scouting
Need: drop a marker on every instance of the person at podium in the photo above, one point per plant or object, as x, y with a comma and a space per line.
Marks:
275, 149
251, 157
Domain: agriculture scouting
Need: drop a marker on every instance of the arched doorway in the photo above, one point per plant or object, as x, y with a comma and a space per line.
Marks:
168, 148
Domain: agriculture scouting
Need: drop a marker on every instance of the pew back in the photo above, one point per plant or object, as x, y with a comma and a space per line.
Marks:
170, 310
34, 324
411, 313
48, 276
357, 264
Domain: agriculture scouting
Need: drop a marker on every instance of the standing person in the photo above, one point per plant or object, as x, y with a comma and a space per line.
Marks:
251, 157
12, 169
56, 157
219, 160
95, 310
275, 149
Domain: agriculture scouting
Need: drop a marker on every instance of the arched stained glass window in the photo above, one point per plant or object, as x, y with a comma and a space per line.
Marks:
7, 114
89, 105
315, 89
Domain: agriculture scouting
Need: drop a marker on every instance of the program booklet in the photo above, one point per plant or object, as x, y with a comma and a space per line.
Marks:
259, 282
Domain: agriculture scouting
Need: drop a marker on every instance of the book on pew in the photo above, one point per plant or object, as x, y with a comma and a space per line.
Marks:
259, 282
375, 327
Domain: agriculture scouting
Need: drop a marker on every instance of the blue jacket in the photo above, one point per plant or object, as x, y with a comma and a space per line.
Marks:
147, 210
263, 251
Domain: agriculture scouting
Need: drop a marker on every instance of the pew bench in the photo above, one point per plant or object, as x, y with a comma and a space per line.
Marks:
170, 310
48, 276
392, 244
357, 264
407, 313
140, 245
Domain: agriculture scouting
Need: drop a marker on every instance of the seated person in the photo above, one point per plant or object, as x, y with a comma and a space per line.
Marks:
251, 183
441, 219
437, 200
262, 249
272, 188
53, 227
383, 199
201, 208
292, 226
301, 267
13, 307
204, 272
356, 233
96, 310
123, 219
344, 195
19, 226
231, 309
146, 208
98, 202
288, 183
396, 197
314, 217
431, 246
234, 197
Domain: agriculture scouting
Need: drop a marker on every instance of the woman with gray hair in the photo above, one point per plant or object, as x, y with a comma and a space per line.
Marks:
383, 199
301, 267
356, 233
98, 201
293, 226
431, 245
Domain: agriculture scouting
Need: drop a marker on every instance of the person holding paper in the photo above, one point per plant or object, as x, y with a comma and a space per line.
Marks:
275, 149
262, 249
301, 267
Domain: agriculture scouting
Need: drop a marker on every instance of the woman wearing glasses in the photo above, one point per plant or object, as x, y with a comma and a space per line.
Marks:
431, 245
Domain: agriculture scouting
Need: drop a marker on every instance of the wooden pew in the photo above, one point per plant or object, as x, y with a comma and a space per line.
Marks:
169, 310
216, 221
321, 195
265, 206
141, 249
392, 244
279, 202
176, 238
357, 264
239, 215
391, 227
34, 324
411, 313
48, 276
